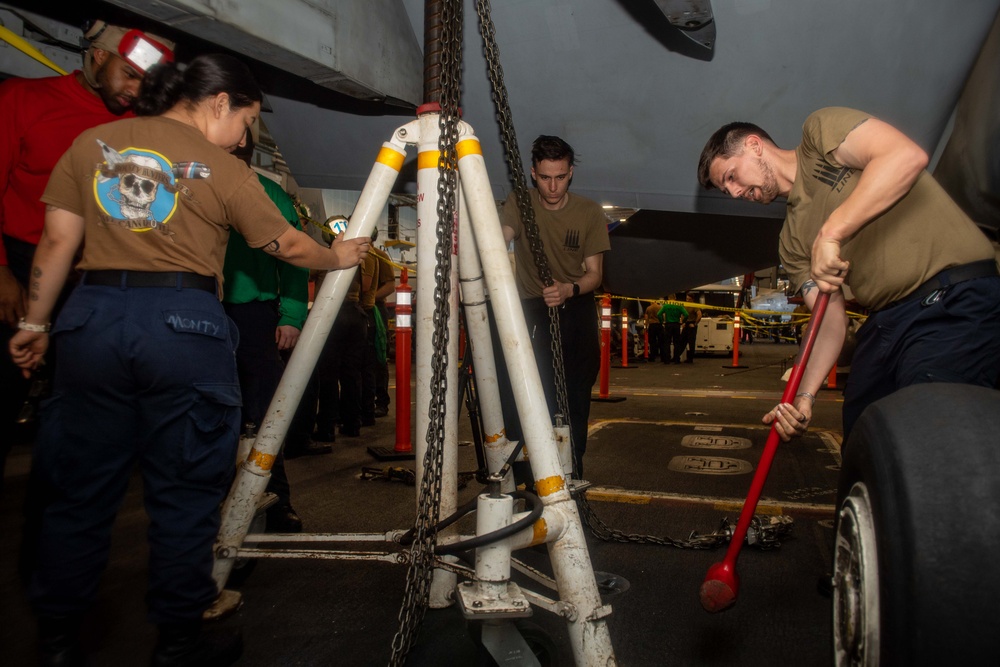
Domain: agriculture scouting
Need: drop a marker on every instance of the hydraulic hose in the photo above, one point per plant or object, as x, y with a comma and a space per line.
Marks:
481, 540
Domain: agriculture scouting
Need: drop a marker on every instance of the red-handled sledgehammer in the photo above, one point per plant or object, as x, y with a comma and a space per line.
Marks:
722, 583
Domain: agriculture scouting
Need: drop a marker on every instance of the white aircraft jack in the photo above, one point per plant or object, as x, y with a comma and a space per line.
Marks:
483, 265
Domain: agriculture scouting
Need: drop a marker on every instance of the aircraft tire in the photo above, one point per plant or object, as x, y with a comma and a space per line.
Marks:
918, 530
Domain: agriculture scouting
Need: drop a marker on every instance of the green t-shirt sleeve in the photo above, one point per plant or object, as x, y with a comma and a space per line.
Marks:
293, 281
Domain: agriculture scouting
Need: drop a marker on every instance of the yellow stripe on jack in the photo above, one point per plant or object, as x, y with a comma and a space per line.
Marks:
428, 159
539, 532
469, 147
550, 485
490, 439
262, 460
391, 158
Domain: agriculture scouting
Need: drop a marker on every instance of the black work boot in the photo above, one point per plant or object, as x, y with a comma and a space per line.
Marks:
58, 642
186, 645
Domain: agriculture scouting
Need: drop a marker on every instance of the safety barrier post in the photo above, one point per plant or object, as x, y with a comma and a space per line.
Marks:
404, 334
605, 345
831, 381
404, 337
737, 332
624, 337
645, 342
604, 396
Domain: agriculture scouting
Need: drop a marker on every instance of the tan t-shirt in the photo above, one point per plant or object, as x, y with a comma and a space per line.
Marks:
386, 272
570, 235
923, 234
370, 268
157, 196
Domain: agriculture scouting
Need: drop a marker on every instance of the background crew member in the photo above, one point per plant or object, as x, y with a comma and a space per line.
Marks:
386, 288
268, 300
690, 332
333, 393
574, 232
657, 341
863, 211
672, 315
147, 370
39, 118
369, 287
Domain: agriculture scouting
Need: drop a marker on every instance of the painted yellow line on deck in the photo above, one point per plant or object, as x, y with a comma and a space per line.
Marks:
631, 497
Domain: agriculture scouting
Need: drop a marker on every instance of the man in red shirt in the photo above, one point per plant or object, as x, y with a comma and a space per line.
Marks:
39, 119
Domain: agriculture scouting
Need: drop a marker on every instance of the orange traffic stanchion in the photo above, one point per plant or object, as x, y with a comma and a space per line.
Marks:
737, 332
625, 339
404, 338
831, 381
604, 395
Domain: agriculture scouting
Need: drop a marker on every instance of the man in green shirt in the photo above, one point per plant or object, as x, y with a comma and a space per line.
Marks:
268, 301
672, 315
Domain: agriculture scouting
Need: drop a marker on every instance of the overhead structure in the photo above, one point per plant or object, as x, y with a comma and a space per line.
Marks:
318, 41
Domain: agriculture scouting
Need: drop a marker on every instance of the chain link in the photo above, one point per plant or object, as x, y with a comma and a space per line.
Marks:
527, 212
421, 553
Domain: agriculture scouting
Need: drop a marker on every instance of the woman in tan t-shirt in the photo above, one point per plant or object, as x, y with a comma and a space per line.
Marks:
145, 370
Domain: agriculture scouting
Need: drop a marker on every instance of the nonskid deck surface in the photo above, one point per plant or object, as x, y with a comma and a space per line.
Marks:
675, 456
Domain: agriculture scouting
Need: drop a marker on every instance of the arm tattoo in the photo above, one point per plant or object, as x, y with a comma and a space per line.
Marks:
273, 248
36, 274
808, 286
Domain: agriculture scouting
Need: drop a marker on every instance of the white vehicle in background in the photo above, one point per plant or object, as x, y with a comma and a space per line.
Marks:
715, 335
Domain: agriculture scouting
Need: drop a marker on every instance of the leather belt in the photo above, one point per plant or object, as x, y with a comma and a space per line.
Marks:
175, 279
950, 276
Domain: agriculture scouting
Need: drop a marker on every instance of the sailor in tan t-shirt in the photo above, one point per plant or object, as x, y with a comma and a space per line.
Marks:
862, 211
147, 372
574, 232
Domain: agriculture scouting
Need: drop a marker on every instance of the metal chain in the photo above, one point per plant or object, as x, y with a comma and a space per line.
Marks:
764, 534
520, 185
422, 560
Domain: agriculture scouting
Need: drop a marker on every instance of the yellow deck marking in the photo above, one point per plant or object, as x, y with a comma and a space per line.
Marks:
631, 497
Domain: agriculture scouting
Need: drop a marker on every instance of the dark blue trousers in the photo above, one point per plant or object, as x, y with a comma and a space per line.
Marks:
260, 368
953, 339
147, 377
658, 347
334, 390
581, 348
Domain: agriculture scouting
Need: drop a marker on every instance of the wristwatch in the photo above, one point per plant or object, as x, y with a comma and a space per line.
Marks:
576, 290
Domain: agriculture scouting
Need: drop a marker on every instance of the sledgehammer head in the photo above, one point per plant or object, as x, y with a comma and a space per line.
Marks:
718, 591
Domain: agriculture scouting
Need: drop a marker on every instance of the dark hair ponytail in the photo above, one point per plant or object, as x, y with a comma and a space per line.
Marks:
206, 76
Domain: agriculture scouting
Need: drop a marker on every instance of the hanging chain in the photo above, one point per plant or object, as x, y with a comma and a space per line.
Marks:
421, 554
520, 185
